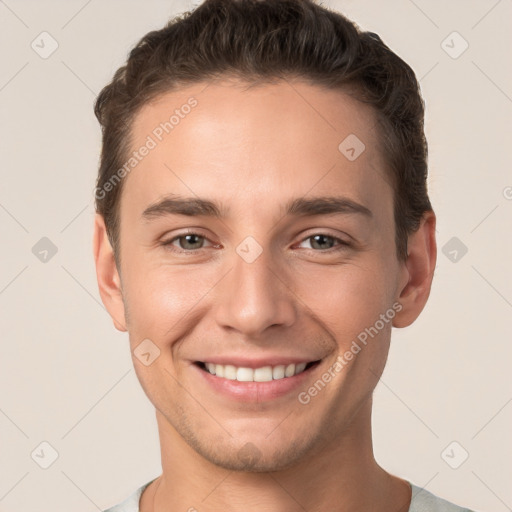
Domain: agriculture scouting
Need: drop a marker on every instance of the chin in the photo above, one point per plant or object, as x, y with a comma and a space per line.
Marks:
253, 457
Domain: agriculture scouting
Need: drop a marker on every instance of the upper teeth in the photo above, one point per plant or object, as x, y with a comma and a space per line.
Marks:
263, 374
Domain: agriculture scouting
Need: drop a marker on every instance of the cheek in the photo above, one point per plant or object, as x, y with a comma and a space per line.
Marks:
346, 299
163, 300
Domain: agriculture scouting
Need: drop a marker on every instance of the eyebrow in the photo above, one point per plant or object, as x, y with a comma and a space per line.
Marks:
195, 207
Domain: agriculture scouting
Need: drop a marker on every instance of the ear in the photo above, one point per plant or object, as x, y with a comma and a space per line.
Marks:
109, 282
418, 271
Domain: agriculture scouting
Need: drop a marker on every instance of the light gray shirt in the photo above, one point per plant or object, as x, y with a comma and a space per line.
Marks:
422, 501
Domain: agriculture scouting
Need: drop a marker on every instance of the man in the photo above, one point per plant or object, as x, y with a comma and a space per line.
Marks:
261, 210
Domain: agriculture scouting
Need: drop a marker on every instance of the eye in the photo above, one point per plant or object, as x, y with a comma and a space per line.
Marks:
193, 242
326, 242
186, 241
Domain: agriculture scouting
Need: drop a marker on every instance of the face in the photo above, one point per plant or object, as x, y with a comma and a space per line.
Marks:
271, 284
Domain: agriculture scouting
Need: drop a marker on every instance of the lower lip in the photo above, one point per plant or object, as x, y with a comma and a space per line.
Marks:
255, 391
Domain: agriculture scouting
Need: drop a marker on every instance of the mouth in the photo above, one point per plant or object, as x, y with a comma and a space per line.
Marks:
265, 373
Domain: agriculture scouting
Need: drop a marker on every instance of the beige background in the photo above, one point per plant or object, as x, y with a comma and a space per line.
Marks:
66, 375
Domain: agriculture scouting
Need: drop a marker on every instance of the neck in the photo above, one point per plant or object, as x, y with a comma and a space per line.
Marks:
341, 475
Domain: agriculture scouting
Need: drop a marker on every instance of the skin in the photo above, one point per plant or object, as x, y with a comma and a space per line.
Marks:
251, 150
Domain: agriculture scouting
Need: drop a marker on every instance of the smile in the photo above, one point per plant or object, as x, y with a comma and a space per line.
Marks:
262, 374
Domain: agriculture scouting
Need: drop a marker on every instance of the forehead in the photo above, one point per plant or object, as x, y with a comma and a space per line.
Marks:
252, 146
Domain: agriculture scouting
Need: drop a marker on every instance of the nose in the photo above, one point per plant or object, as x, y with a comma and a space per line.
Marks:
254, 296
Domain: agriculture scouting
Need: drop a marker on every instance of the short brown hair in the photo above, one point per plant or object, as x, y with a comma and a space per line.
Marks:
264, 40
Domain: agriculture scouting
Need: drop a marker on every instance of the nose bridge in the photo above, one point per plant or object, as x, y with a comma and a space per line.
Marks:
253, 297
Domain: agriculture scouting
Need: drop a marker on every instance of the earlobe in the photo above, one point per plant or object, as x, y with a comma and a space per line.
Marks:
107, 275
418, 271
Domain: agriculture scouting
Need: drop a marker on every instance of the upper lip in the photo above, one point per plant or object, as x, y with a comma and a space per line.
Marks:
259, 362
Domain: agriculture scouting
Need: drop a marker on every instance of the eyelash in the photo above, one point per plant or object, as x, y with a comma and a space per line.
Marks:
342, 244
